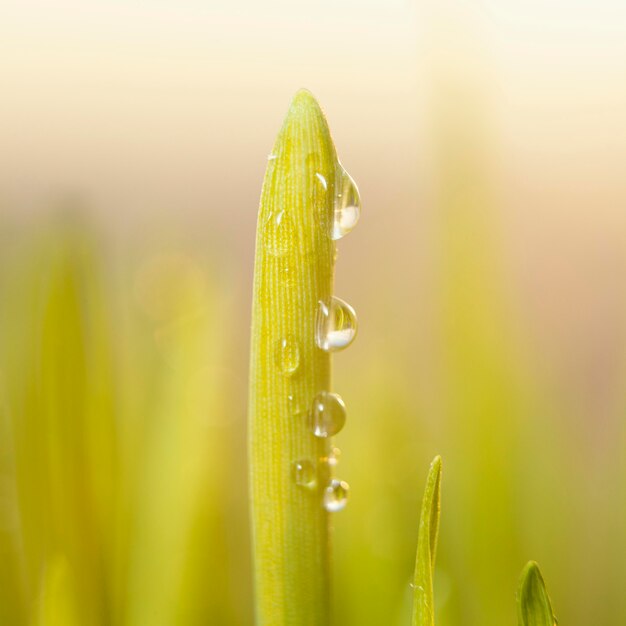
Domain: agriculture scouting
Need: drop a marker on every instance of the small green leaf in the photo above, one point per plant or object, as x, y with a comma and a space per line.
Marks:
423, 605
533, 603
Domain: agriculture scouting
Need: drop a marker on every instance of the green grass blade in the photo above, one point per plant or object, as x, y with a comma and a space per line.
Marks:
293, 272
61, 394
179, 468
533, 602
423, 604
57, 604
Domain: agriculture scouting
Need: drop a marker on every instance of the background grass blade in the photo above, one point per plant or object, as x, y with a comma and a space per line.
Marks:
60, 394
533, 603
57, 604
181, 466
293, 272
423, 604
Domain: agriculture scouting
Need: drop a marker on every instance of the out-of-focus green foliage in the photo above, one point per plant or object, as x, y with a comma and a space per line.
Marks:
423, 602
115, 504
533, 603
60, 390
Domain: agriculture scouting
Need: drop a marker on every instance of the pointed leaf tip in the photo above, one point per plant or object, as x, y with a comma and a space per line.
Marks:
533, 602
433, 491
304, 106
304, 97
423, 601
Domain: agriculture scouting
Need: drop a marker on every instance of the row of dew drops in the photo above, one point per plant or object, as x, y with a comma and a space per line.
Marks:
336, 327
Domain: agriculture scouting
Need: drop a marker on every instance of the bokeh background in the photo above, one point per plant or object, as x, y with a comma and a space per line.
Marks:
488, 140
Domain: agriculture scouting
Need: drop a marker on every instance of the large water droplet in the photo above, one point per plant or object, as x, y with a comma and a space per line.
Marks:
328, 414
347, 208
336, 325
287, 355
303, 473
336, 495
278, 233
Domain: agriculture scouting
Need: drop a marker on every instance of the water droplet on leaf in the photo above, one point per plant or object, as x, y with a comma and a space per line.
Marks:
336, 325
303, 473
336, 495
347, 209
328, 414
287, 355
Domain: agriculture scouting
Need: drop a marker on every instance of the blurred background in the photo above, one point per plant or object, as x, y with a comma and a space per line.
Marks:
488, 140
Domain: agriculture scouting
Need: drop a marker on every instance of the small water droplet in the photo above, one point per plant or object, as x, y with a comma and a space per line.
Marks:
328, 414
347, 208
332, 457
322, 180
336, 495
287, 355
336, 325
272, 157
278, 233
303, 473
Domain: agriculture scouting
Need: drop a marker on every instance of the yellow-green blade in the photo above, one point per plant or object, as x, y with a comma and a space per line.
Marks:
57, 603
176, 470
533, 602
61, 394
423, 603
293, 273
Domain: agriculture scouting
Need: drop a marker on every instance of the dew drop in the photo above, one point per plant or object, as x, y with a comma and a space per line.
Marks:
336, 495
347, 208
336, 325
303, 473
287, 355
328, 414
272, 157
278, 233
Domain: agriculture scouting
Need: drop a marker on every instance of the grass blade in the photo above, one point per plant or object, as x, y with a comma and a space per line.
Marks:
533, 602
61, 394
293, 272
423, 604
57, 604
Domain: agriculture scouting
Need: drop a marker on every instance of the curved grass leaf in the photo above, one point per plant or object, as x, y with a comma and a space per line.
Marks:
423, 604
533, 602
